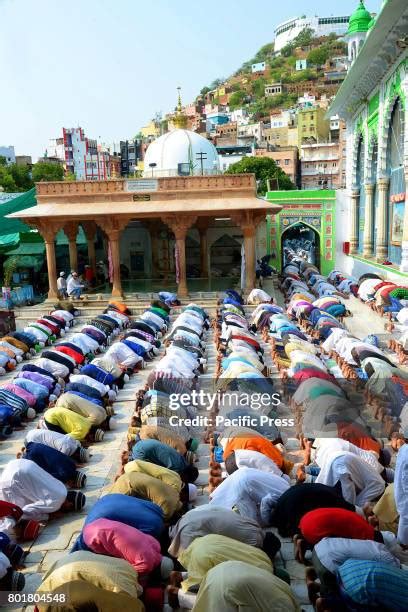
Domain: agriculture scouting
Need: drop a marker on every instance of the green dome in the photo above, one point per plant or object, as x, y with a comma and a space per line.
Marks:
360, 20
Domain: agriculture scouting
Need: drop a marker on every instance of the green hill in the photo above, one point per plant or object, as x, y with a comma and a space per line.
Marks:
246, 89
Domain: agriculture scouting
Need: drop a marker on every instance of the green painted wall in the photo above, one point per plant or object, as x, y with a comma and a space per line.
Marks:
316, 208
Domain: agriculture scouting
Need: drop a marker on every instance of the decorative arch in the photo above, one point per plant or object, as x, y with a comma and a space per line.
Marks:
383, 136
318, 241
358, 137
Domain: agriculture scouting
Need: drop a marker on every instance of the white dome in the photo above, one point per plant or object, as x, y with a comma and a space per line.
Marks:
180, 147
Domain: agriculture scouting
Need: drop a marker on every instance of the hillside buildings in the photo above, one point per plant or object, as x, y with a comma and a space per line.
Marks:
322, 26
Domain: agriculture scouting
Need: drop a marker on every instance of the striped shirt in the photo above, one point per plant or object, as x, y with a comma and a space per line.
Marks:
375, 583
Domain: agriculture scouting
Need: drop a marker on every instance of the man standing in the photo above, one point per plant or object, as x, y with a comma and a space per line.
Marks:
62, 286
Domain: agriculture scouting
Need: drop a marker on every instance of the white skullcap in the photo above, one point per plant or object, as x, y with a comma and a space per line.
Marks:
192, 492
31, 413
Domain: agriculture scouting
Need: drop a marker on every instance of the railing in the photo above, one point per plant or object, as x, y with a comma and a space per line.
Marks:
209, 180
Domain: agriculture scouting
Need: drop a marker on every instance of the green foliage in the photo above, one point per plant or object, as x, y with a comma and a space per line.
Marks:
264, 168
3, 161
258, 87
263, 53
204, 91
9, 268
216, 83
44, 171
318, 56
14, 178
236, 99
70, 177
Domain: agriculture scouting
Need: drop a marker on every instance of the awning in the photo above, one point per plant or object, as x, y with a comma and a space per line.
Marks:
14, 225
8, 241
147, 208
28, 248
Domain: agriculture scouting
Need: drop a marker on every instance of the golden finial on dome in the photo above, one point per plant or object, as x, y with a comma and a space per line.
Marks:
180, 119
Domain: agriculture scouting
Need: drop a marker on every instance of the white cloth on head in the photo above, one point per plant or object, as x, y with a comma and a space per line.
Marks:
36, 492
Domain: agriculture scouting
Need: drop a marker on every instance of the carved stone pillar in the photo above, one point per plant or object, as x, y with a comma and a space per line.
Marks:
404, 243
113, 229
71, 231
90, 232
368, 220
48, 232
249, 221
180, 227
202, 226
355, 199
381, 253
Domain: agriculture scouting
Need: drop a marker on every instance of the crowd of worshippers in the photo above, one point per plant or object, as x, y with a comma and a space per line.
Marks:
359, 548
73, 384
126, 533
363, 360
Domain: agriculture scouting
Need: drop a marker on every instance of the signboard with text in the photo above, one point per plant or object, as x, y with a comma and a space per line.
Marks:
141, 185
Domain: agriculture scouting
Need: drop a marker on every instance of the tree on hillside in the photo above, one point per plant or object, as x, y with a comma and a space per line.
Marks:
237, 99
44, 171
204, 91
264, 52
258, 87
264, 168
318, 56
216, 83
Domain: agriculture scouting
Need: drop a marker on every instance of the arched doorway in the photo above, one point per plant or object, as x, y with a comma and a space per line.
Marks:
304, 240
225, 261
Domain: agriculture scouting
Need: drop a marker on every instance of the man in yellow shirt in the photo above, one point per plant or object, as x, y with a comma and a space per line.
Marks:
89, 580
78, 427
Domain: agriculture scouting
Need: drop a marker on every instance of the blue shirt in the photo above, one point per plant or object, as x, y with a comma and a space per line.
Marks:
51, 460
139, 513
375, 583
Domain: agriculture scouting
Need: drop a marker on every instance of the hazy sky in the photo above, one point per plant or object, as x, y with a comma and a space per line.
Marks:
109, 65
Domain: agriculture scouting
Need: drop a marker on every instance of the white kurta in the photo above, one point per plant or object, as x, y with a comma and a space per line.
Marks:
257, 296
85, 343
61, 442
401, 493
245, 489
56, 368
36, 492
91, 382
333, 552
123, 355
360, 483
